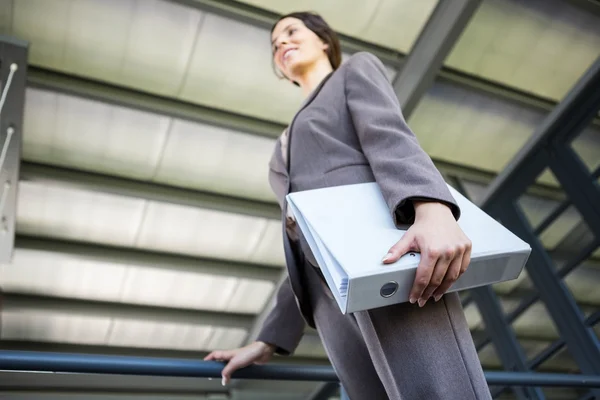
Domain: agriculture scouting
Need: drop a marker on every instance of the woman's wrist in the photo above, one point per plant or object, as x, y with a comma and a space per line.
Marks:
267, 347
426, 208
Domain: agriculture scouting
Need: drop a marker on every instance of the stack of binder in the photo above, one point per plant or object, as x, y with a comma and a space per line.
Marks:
349, 229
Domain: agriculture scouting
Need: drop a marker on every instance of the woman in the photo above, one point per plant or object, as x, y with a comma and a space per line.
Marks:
350, 130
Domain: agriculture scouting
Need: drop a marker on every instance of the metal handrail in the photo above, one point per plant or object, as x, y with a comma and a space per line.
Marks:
125, 365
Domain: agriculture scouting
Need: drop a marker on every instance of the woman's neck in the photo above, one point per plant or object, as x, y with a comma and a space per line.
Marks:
314, 76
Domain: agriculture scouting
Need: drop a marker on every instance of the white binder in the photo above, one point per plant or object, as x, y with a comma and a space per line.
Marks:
349, 229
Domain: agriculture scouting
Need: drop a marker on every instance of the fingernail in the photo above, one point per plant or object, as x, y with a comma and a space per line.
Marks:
387, 257
223, 382
412, 300
438, 297
422, 302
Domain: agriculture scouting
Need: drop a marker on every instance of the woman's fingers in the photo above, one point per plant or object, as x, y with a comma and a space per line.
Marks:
442, 261
451, 276
219, 355
423, 275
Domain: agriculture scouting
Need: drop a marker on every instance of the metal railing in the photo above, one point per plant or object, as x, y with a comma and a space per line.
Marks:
125, 365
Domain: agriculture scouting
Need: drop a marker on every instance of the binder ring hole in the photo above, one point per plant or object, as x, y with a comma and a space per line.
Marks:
389, 289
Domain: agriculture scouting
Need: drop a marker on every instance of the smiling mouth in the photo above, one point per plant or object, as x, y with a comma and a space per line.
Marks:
287, 54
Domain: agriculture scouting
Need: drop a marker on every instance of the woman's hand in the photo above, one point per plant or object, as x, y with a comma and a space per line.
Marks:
445, 251
254, 353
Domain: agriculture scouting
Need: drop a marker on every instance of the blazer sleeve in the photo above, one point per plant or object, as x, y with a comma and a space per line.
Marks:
284, 326
401, 167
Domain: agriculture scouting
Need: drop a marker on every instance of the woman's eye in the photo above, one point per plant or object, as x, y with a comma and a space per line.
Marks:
291, 31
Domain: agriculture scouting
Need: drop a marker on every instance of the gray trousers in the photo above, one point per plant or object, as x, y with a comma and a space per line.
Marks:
399, 352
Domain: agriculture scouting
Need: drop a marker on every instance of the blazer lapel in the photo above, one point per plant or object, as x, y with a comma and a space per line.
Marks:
304, 104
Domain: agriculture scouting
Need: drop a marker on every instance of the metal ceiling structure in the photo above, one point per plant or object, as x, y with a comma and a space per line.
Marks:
144, 223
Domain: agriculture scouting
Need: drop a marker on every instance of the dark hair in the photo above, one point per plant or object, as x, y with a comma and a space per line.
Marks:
317, 24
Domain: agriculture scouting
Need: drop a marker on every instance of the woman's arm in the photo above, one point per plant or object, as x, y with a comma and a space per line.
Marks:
411, 185
281, 333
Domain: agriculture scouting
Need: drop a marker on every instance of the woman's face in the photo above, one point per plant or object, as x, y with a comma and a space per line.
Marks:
295, 47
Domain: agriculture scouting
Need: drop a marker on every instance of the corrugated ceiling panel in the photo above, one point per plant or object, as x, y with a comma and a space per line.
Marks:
397, 24
536, 322
226, 339
473, 316
64, 276
147, 334
249, 296
390, 23
91, 135
350, 17
145, 44
231, 69
68, 213
178, 289
50, 273
540, 46
64, 328
61, 212
469, 128
216, 159
47, 25
561, 228
583, 283
54, 327
310, 346
159, 46
587, 147
270, 247
97, 37
193, 231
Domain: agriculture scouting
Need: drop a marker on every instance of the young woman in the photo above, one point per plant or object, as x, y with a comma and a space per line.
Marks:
349, 130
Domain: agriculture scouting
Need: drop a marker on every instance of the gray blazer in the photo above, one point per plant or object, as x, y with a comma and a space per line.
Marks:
349, 130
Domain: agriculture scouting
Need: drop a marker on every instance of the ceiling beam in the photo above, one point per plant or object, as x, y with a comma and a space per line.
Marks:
45, 79
148, 259
261, 18
126, 97
435, 42
93, 181
19, 302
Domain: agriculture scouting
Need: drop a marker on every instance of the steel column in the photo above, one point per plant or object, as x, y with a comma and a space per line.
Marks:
13, 72
436, 40
503, 336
